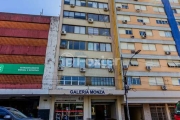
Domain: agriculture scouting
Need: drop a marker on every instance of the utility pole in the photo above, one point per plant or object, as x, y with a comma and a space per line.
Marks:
126, 86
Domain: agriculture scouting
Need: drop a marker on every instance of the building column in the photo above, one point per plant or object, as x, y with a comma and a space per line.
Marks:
52, 103
167, 112
87, 107
119, 108
122, 112
147, 112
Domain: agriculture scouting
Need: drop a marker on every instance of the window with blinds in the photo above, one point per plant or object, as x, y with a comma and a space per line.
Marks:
143, 19
158, 112
152, 63
141, 7
175, 81
173, 63
147, 32
156, 81
123, 17
158, 9
165, 34
169, 48
173, 1
123, 6
134, 62
129, 46
149, 47
125, 31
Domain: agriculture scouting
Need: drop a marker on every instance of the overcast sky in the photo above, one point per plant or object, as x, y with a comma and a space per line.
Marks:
50, 7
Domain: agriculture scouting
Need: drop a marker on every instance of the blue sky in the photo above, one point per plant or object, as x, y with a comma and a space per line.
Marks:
50, 7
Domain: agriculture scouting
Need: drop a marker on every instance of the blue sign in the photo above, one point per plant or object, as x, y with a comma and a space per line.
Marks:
86, 92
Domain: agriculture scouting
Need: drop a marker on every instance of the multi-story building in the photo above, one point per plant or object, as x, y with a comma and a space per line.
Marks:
84, 84
151, 26
23, 43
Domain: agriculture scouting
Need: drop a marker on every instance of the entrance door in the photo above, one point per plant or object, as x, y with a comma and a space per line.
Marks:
99, 112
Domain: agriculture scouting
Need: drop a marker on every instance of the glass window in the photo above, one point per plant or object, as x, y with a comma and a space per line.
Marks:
142, 33
92, 4
90, 31
124, 6
72, 80
102, 47
82, 62
103, 63
104, 18
71, 45
104, 31
67, 2
80, 15
81, 45
102, 5
128, 32
109, 63
136, 81
102, 81
90, 46
75, 62
82, 80
69, 62
97, 63
108, 47
96, 47
91, 63
76, 45
79, 29
80, 3
63, 43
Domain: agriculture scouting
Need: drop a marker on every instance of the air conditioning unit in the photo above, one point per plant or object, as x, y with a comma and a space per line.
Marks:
148, 68
144, 23
60, 68
138, 10
167, 52
132, 36
118, 8
163, 87
72, 5
63, 32
143, 36
90, 20
110, 70
125, 67
124, 21
83, 70
133, 51
106, 9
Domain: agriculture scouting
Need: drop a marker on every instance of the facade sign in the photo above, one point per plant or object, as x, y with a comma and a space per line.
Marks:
18, 69
87, 92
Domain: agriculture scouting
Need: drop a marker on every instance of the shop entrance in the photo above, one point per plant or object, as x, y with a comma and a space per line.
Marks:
103, 110
135, 111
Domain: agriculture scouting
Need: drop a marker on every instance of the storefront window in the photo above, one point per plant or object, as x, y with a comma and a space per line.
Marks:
68, 111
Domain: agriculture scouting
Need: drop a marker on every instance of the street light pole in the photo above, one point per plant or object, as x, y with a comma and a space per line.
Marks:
126, 87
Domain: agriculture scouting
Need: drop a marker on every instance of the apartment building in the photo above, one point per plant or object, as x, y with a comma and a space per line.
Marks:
151, 26
84, 84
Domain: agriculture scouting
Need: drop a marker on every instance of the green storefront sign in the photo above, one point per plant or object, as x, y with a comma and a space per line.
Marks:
25, 69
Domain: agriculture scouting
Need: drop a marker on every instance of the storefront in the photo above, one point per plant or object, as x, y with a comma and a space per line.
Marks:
69, 108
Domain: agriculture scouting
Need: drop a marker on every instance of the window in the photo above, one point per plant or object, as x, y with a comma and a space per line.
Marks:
143, 19
125, 6
79, 15
72, 62
93, 31
80, 2
133, 81
152, 63
99, 46
72, 80
178, 22
97, 63
158, 9
102, 5
161, 21
102, 81
101, 18
156, 81
68, 14
169, 48
175, 81
158, 111
104, 31
165, 33
68, 28
97, 5
149, 46
125, 31
129, 46
145, 32
74, 45
123, 17
173, 1
174, 11
80, 30
134, 62
67, 2
141, 7
173, 63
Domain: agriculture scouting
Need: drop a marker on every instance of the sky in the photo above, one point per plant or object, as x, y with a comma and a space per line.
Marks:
50, 7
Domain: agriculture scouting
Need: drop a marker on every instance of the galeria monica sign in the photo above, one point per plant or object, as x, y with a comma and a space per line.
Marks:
21, 69
87, 92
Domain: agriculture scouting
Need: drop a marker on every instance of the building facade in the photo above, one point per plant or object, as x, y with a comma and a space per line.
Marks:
151, 26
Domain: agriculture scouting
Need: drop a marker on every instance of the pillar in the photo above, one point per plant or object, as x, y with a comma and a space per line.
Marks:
167, 112
147, 112
87, 107
119, 108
